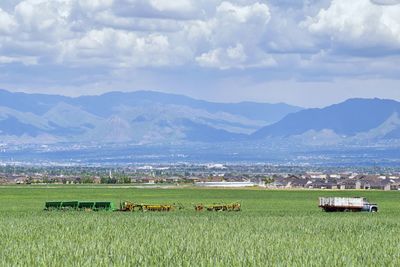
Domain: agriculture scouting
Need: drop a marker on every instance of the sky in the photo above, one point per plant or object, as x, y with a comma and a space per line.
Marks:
310, 53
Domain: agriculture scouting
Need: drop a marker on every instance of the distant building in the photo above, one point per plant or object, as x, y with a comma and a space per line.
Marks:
216, 166
224, 184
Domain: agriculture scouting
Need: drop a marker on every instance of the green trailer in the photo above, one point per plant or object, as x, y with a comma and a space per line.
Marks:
104, 206
80, 205
53, 205
61, 205
86, 205
69, 205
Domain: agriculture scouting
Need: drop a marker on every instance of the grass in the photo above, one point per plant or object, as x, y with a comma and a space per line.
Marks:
284, 228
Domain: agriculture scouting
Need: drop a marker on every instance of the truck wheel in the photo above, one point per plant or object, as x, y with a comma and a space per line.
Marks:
374, 210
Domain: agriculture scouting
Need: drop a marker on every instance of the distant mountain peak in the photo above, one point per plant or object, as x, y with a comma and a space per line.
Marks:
349, 118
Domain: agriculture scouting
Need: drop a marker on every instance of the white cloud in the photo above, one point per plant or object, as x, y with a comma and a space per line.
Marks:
386, 2
233, 57
118, 48
358, 24
93, 32
24, 60
176, 5
107, 18
235, 13
223, 58
234, 36
43, 16
95, 5
234, 23
7, 22
93, 41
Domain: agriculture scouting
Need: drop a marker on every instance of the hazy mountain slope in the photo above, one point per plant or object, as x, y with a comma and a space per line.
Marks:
104, 105
71, 116
158, 118
390, 129
202, 133
24, 117
142, 117
348, 118
35, 103
12, 126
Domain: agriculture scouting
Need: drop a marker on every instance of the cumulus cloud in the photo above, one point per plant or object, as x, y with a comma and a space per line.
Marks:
235, 36
176, 5
95, 5
358, 24
223, 58
233, 57
96, 32
272, 40
7, 22
386, 2
43, 19
234, 22
24, 60
243, 14
117, 48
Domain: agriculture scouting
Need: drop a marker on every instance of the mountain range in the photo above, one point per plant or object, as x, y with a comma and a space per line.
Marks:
354, 118
146, 117
142, 117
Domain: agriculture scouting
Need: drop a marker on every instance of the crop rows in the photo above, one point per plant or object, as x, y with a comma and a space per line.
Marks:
274, 228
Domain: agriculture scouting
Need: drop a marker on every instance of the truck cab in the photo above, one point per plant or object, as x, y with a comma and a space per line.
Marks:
370, 207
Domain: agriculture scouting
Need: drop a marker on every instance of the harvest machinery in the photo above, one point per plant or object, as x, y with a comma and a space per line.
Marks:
129, 206
80, 205
107, 206
218, 207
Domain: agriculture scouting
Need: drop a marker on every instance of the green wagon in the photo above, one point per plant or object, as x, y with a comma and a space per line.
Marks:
80, 205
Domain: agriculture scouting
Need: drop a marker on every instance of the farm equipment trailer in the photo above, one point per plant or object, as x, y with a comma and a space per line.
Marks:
80, 205
331, 204
218, 207
127, 206
130, 206
106, 206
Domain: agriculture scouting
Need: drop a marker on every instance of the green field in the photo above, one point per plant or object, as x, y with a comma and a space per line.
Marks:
284, 228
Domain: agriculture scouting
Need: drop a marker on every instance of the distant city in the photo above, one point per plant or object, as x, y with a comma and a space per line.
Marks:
213, 175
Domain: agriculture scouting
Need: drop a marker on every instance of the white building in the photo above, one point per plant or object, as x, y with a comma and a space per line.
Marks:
224, 184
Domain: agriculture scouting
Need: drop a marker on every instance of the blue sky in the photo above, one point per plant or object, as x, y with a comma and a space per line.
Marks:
308, 53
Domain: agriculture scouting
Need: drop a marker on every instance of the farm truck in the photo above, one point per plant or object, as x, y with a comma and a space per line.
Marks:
331, 204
